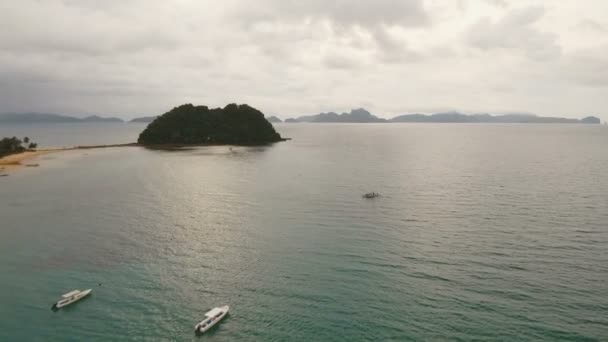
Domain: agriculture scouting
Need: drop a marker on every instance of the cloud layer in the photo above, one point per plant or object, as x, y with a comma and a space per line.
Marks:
287, 57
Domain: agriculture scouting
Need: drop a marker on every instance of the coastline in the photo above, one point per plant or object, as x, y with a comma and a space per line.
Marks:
18, 160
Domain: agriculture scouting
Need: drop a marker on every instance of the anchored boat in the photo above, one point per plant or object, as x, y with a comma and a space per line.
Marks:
70, 298
371, 195
212, 317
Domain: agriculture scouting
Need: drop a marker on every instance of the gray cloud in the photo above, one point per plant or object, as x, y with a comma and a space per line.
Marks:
362, 24
500, 3
588, 67
515, 30
589, 24
135, 57
391, 49
341, 61
339, 13
56, 26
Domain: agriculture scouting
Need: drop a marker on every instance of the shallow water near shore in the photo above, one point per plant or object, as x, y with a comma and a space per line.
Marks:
487, 232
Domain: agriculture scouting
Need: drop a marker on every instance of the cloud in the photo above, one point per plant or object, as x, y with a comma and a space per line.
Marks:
361, 24
338, 13
515, 31
393, 49
592, 25
340, 61
141, 57
588, 67
499, 3
55, 26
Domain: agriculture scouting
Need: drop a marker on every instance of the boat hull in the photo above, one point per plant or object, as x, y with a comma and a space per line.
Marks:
210, 322
65, 302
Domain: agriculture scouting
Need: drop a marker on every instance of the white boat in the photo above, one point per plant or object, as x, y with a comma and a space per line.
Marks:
212, 317
71, 297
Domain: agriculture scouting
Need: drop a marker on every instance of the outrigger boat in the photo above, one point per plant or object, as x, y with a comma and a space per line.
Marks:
213, 316
70, 298
371, 195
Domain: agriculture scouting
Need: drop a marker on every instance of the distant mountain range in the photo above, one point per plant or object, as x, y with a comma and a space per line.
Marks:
144, 119
363, 116
274, 119
25, 118
355, 116
456, 117
50, 118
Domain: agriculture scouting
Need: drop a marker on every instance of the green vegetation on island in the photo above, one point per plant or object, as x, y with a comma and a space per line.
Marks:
14, 145
198, 125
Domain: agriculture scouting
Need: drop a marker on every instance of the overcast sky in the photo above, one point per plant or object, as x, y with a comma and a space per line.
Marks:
142, 57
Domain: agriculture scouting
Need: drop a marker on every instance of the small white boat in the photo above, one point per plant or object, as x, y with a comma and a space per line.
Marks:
71, 297
212, 317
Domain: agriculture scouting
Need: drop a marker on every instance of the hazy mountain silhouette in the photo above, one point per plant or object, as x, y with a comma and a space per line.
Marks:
363, 116
455, 117
95, 118
356, 115
25, 118
144, 119
274, 119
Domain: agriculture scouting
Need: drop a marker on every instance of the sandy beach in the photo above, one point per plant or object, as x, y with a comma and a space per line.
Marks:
19, 159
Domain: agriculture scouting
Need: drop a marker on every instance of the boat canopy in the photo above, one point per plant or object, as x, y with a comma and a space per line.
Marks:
214, 312
70, 294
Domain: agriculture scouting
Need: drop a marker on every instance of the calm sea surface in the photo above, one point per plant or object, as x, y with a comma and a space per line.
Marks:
483, 232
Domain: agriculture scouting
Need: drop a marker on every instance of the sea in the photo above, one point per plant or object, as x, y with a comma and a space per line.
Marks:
482, 232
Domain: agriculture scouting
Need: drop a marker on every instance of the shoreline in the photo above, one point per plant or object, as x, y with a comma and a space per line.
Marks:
17, 160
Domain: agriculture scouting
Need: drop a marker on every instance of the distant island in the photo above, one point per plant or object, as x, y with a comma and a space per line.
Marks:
363, 116
274, 119
456, 117
144, 119
356, 115
197, 125
95, 118
27, 118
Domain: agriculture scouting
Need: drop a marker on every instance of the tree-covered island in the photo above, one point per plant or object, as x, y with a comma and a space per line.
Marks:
198, 125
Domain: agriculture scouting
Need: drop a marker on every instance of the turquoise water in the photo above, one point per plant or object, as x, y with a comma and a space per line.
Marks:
483, 232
